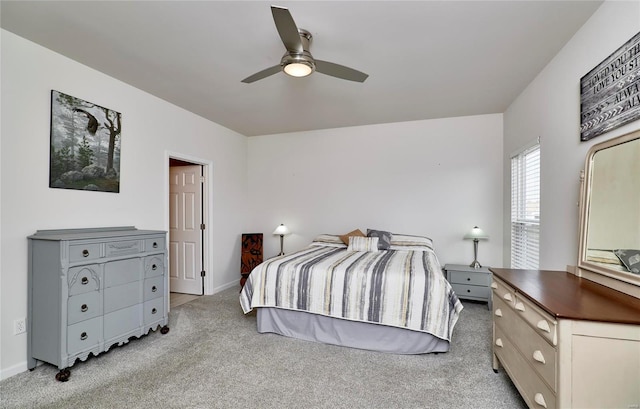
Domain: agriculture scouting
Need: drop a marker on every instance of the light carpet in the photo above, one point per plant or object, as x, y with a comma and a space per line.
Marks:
214, 358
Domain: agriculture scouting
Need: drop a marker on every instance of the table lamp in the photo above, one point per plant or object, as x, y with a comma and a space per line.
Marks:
476, 234
282, 231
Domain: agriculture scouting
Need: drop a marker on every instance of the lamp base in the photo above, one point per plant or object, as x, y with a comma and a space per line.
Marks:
281, 245
475, 263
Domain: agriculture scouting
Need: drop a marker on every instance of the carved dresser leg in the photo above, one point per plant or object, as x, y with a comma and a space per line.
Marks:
63, 375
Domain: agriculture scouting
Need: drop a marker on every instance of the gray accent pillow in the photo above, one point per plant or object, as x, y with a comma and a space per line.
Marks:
384, 238
630, 258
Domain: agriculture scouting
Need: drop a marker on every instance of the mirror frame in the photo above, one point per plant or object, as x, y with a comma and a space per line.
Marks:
622, 281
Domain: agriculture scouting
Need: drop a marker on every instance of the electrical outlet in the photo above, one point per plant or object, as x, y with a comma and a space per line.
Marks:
19, 326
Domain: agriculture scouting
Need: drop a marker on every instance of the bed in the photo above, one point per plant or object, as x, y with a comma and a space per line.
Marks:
390, 296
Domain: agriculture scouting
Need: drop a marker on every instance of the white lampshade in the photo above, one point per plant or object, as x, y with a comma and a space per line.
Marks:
476, 234
281, 230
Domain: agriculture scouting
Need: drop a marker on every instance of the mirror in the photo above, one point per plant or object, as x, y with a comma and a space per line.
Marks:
610, 212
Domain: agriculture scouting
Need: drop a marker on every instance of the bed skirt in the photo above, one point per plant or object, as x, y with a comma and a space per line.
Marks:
335, 331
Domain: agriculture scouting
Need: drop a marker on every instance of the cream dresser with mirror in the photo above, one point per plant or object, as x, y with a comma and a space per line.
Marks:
572, 340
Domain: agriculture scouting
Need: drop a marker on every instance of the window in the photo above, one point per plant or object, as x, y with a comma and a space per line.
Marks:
525, 208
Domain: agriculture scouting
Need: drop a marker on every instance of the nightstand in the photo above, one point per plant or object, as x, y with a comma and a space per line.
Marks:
470, 283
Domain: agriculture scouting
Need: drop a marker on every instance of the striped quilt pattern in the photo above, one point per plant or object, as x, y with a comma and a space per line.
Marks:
400, 288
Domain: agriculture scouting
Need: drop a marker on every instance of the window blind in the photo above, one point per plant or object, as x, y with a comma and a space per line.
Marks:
525, 209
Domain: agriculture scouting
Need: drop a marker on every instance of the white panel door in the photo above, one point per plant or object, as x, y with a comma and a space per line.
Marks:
185, 235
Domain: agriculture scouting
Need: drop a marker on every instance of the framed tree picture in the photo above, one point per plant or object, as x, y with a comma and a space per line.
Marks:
85, 145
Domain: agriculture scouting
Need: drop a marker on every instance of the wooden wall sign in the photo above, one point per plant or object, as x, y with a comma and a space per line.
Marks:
610, 93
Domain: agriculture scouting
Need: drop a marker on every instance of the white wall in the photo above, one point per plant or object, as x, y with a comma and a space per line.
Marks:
151, 128
437, 178
1, 325
549, 108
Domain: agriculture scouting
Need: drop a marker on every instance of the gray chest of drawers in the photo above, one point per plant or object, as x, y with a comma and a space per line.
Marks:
470, 283
90, 289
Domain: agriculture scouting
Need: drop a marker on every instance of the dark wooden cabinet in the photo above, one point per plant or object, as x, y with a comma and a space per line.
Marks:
251, 254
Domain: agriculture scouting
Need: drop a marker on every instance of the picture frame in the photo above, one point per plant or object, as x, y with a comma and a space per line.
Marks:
610, 92
84, 146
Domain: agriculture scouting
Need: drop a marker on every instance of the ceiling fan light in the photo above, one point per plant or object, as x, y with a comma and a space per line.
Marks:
298, 69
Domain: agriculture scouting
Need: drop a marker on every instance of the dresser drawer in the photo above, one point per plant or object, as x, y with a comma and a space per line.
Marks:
542, 356
471, 291
123, 248
153, 311
121, 296
153, 288
121, 323
503, 291
542, 322
533, 389
84, 335
83, 306
155, 244
470, 278
80, 252
122, 272
83, 279
504, 316
153, 266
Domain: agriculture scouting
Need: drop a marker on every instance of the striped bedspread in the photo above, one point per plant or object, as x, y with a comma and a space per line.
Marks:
401, 287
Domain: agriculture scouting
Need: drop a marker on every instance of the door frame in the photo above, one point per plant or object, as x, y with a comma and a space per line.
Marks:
207, 210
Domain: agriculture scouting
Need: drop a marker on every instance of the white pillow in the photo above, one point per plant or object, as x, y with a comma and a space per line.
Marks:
328, 240
357, 243
406, 242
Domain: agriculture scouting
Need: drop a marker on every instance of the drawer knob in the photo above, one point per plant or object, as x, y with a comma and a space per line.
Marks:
84, 280
155, 245
499, 342
519, 306
539, 399
154, 267
83, 336
498, 312
84, 308
537, 355
153, 311
544, 325
494, 286
507, 297
468, 278
85, 253
154, 289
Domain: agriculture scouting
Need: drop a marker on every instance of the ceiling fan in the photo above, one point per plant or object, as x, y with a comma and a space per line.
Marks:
298, 61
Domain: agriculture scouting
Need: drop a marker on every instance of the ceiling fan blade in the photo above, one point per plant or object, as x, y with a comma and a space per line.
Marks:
287, 29
340, 71
262, 74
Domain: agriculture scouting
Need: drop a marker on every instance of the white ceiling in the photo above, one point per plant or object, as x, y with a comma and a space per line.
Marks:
425, 59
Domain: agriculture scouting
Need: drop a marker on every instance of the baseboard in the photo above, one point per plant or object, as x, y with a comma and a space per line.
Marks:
223, 287
13, 370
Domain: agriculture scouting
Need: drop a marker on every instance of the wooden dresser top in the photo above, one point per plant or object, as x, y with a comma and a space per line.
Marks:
566, 296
